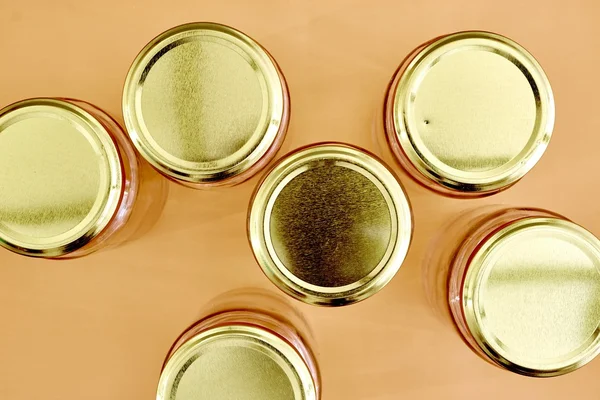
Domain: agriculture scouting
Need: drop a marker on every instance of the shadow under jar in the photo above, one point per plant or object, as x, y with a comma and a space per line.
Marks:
245, 353
69, 178
524, 291
469, 114
206, 105
330, 224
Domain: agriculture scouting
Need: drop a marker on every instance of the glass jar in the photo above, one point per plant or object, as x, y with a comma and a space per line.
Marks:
468, 114
523, 288
330, 224
69, 179
247, 348
206, 105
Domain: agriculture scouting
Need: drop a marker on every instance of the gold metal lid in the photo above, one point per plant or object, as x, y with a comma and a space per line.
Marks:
330, 224
473, 112
60, 177
236, 362
203, 102
531, 296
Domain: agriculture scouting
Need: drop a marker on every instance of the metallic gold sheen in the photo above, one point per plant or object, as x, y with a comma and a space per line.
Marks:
345, 223
330, 225
203, 102
473, 111
532, 296
60, 177
236, 362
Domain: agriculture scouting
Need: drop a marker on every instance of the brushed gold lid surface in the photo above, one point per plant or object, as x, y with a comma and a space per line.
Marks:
60, 177
330, 225
203, 102
236, 362
473, 111
531, 296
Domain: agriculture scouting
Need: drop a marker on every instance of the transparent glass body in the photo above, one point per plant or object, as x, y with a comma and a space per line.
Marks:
143, 192
259, 309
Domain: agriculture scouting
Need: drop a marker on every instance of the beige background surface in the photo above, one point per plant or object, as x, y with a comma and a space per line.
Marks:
99, 327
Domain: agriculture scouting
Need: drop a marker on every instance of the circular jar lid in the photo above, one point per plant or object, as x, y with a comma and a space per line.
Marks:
236, 362
205, 104
531, 296
61, 177
471, 112
330, 224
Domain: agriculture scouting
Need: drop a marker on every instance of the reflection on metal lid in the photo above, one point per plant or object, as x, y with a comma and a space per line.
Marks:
531, 296
60, 177
236, 362
330, 225
204, 103
472, 112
